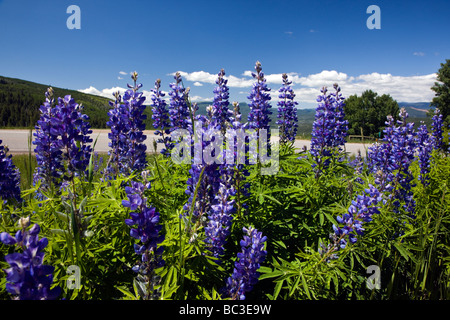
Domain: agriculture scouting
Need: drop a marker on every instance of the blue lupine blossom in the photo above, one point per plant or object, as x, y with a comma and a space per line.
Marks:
135, 149
27, 277
117, 136
48, 146
358, 164
220, 116
351, 223
201, 173
341, 125
245, 273
145, 227
72, 126
360, 211
329, 128
240, 172
259, 115
437, 129
403, 150
178, 106
393, 158
9, 176
160, 116
126, 120
287, 112
220, 218
62, 136
425, 147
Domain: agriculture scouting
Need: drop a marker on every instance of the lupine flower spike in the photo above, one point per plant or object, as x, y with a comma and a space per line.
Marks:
245, 274
160, 118
9, 176
27, 277
287, 112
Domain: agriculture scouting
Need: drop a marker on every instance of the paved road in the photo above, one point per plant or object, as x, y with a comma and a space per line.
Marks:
17, 141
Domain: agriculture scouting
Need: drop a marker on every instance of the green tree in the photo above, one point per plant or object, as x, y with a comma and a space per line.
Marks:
369, 112
442, 89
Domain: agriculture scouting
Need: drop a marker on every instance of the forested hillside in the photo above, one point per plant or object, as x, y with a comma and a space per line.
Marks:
20, 101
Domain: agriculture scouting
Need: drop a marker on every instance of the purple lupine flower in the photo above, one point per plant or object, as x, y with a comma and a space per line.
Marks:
134, 153
323, 132
72, 126
9, 176
201, 173
27, 277
48, 146
160, 118
351, 223
62, 135
341, 125
220, 113
360, 211
403, 149
245, 273
117, 136
145, 228
358, 164
393, 158
220, 218
436, 130
329, 128
259, 115
240, 172
287, 112
425, 146
178, 106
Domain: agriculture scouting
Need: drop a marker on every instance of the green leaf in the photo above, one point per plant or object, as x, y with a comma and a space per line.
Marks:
127, 293
277, 290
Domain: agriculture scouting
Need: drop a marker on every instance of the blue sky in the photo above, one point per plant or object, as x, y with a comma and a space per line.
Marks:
316, 42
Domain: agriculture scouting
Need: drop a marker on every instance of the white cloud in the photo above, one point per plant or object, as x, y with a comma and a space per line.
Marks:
198, 84
401, 88
419, 54
199, 99
198, 76
123, 73
119, 78
109, 92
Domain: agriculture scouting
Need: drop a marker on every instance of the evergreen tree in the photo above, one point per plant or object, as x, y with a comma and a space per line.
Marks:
442, 89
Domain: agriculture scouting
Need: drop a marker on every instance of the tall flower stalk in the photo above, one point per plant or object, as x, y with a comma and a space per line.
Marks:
287, 112
62, 141
220, 219
245, 273
179, 115
393, 158
117, 136
9, 176
424, 146
48, 147
220, 112
127, 138
160, 118
436, 131
329, 128
135, 152
145, 228
259, 115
